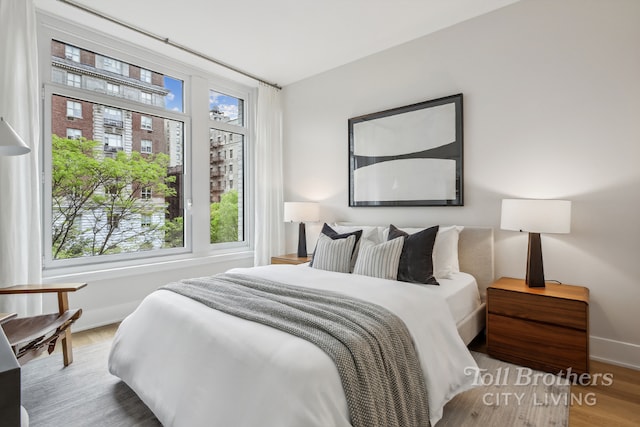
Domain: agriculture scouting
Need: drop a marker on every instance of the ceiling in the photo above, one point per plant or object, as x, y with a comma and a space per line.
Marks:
283, 41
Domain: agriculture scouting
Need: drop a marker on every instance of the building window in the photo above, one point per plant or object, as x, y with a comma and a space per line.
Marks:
146, 146
72, 53
145, 75
113, 89
145, 193
113, 117
112, 65
146, 123
112, 142
146, 97
74, 133
146, 220
74, 80
74, 109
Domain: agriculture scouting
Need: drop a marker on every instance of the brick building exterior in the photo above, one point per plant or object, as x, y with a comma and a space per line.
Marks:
117, 129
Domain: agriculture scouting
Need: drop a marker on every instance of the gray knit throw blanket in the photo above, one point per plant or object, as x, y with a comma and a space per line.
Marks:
371, 347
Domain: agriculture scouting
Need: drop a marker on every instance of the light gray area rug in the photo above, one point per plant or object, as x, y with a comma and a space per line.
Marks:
85, 394
511, 396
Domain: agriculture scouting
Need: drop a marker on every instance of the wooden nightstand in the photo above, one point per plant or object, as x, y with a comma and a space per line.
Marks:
542, 328
289, 259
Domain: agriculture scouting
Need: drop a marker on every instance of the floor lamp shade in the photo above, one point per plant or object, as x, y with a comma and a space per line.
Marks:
536, 216
301, 212
10, 142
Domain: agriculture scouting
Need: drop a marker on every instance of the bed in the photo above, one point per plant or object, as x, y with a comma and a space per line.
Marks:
194, 366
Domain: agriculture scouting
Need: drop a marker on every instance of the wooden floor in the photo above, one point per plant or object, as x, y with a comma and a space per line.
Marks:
615, 405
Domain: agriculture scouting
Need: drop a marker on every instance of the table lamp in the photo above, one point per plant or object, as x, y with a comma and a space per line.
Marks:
301, 212
536, 216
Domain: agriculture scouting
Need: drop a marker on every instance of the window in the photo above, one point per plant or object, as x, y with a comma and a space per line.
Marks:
146, 123
226, 108
74, 133
231, 153
160, 90
113, 196
146, 97
112, 65
132, 161
112, 142
146, 146
74, 109
226, 203
72, 53
113, 89
145, 75
113, 117
74, 80
146, 220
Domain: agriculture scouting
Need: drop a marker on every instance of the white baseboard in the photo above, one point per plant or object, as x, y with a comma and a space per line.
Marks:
615, 352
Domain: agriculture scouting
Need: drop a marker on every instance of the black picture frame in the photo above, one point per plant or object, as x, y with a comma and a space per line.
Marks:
408, 156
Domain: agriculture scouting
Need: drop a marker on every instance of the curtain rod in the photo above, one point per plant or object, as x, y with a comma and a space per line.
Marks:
167, 41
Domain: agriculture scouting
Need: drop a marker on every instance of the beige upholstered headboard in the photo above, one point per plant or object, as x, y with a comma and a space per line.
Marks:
475, 253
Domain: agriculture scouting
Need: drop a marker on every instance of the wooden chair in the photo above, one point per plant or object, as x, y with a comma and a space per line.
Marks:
30, 336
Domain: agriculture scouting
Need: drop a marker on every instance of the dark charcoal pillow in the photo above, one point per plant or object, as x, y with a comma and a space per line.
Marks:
416, 262
330, 232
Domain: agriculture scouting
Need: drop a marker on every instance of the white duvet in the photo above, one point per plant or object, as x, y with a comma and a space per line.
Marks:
194, 366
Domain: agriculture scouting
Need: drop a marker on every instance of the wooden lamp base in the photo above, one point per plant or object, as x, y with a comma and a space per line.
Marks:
535, 270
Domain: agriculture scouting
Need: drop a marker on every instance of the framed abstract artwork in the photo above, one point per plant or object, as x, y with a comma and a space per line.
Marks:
408, 156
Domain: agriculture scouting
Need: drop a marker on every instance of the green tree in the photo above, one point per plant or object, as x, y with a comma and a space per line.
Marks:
174, 232
97, 204
224, 218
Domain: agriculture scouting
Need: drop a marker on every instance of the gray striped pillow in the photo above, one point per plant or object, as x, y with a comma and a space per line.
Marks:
333, 255
379, 260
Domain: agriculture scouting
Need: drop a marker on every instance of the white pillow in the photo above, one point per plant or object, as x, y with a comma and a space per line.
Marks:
445, 252
333, 255
379, 260
368, 232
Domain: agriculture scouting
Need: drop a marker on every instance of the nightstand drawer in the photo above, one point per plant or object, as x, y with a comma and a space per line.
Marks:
540, 308
540, 346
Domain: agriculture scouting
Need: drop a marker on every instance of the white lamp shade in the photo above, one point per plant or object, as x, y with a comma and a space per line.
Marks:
301, 211
10, 142
536, 216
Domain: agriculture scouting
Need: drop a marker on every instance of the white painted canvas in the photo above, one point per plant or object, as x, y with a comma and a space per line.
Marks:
411, 179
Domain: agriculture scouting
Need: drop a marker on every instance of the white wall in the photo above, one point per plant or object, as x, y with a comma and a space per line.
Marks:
112, 294
551, 110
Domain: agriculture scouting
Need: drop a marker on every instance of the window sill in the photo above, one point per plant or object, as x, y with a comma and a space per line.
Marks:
141, 266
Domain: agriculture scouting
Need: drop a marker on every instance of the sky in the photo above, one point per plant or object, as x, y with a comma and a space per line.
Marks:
174, 100
228, 105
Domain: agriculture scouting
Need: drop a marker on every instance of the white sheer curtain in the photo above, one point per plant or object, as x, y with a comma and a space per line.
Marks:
268, 183
20, 236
